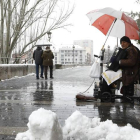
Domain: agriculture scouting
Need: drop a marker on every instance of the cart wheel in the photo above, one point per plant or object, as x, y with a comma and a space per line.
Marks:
106, 97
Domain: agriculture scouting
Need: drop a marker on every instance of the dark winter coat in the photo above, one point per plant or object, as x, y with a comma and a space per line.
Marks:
37, 56
47, 58
130, 66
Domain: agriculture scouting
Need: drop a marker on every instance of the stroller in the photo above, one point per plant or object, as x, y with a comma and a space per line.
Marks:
110, 96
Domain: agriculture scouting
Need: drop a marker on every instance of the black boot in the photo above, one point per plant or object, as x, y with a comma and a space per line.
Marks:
105, 87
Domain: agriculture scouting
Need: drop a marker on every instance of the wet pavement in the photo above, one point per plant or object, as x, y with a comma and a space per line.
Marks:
19, 97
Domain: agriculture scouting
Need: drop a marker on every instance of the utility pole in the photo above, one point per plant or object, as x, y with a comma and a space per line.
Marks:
73, 54
108, 53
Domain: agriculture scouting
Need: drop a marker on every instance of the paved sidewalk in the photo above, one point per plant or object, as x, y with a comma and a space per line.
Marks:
21, 96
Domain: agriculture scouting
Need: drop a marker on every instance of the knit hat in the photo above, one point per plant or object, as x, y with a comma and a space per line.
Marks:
126, 39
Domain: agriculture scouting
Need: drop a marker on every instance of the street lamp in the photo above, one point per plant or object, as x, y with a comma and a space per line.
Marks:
73, 54
49, 35
54, 48
108, 53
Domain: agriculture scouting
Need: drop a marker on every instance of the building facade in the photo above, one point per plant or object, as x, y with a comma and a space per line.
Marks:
69, 55
88, 46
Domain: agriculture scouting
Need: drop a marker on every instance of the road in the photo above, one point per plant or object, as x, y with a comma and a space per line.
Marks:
20, 96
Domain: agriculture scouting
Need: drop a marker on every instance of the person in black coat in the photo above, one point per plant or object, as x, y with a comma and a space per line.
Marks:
38, 61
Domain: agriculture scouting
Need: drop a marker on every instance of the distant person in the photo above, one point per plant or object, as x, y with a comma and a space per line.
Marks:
48, 61
37, 56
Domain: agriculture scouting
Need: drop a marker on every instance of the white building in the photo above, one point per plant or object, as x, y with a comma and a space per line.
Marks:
88, 46
56, 57
70, 55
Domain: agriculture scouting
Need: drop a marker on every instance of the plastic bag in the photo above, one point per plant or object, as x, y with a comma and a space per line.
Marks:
95, 70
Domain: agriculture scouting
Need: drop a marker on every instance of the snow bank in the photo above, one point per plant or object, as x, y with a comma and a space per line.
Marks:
80, 127
43, 125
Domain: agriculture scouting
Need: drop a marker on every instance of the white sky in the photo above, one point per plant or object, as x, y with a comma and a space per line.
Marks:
81, 28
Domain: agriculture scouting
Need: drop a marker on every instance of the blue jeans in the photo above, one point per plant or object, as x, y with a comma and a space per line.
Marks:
37, 70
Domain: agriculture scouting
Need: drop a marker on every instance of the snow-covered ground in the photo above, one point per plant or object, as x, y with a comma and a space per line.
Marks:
43, 125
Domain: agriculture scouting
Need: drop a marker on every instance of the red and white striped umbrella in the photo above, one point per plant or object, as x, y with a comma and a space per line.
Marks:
114, 23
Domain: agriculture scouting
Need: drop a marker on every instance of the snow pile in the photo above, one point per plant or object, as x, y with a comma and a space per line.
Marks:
80, 127
43, 125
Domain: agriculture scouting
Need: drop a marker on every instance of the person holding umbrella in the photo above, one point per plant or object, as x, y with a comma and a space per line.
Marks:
129, 66
48, 61
118, 24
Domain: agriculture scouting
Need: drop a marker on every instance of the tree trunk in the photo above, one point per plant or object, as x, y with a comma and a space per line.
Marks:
1, 31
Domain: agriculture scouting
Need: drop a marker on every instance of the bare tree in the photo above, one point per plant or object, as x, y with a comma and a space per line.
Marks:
136, 17
23, 22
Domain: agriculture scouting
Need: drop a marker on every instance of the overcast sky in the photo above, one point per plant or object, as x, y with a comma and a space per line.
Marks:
81, 28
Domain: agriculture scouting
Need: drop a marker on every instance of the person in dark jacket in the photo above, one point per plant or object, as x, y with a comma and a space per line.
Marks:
37, 56
48, 61
129, 66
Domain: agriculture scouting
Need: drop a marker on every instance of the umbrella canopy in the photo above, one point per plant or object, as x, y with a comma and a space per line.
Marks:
114, 23
42, 43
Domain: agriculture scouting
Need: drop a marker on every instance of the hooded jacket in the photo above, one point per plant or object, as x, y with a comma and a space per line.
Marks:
47, 58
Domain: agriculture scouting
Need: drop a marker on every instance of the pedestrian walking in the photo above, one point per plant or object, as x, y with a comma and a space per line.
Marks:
48, 61
37, 56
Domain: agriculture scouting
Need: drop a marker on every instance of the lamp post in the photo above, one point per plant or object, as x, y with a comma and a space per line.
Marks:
49, 35
108, 53
73, 54
54, 48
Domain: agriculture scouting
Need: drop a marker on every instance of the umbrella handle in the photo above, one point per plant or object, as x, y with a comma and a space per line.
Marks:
109, 32
103, 47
